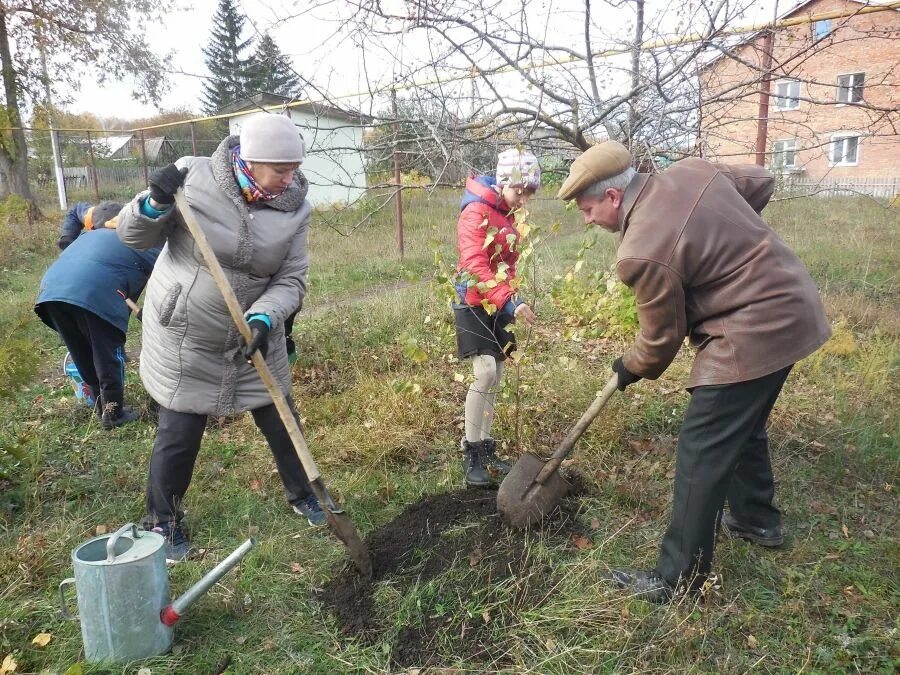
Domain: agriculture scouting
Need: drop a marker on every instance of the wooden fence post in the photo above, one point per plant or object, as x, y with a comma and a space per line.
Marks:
93, 172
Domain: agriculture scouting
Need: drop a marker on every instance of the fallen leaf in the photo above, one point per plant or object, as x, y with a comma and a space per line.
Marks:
100, 529
845, 531
581, 542
255, 485
486, 616
459, 377
42, 639
752, 642
253, 530
9, 665
868, 534
475, 557
595, 523
144, 671
296, 567
240, 639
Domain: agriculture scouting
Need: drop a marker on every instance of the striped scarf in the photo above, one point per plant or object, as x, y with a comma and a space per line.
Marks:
249, 188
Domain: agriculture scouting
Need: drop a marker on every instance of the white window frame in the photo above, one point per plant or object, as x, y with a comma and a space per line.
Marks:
795, 101
841, 136
794, 148
815, 24
850, 87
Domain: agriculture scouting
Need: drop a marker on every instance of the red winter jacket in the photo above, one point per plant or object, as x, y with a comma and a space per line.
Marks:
484, 213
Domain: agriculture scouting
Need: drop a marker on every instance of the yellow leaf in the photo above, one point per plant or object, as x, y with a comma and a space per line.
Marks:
42, 639
459, 377
514, 283
9, 665
752, 642
524, 229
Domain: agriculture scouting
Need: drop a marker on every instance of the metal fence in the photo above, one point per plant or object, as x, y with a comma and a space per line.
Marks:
879, 188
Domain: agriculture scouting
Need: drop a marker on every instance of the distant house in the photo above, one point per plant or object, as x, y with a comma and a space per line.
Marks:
159, 150
835, 95
335, 164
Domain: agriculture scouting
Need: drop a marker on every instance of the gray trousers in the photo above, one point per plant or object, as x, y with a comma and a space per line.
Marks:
723, 453
175, 452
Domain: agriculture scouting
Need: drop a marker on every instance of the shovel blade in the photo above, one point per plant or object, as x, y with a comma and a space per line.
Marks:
520, 500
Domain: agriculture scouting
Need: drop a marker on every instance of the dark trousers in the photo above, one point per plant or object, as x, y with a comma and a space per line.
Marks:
97, 348
723, 452
175, 452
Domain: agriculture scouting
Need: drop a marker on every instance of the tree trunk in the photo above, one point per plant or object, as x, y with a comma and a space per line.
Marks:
633, 112
14, 161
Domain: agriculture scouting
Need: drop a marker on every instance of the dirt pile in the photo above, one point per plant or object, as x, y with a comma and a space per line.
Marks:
457, 541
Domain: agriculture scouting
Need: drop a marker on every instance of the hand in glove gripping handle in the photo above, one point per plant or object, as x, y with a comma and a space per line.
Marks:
259, 338
626, 377
164, 183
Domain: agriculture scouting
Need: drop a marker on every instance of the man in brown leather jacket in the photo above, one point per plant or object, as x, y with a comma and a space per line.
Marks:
704, 265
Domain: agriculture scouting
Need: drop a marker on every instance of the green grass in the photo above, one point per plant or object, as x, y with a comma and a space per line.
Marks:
384, 429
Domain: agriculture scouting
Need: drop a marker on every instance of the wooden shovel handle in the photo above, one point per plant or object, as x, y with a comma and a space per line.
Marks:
564, 448
237, 315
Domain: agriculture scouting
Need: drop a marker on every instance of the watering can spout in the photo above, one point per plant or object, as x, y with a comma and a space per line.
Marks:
172, 612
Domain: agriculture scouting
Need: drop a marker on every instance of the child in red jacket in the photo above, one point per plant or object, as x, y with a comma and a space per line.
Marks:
488, 244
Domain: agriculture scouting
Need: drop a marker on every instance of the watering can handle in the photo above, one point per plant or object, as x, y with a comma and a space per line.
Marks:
66, 614
113, 540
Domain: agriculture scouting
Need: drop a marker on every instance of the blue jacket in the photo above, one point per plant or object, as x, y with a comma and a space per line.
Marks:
90, 271
73, 224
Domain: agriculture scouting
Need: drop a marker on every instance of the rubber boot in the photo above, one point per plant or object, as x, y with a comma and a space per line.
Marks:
473, 465
495, 466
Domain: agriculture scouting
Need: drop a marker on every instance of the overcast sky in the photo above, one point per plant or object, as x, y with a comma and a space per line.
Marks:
321, 47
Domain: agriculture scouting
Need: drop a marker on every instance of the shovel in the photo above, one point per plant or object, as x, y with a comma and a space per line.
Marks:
533, 487
338, 521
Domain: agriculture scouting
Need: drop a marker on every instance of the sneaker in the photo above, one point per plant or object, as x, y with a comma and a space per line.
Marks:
644, 584
309, 508
116, 418
178, 547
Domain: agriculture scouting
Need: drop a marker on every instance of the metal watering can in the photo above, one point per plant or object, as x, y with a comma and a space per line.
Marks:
122, 587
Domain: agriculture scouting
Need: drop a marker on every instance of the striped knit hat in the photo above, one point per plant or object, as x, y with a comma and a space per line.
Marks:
518, 168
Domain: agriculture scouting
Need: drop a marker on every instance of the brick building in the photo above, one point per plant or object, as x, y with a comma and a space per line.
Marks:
835, 95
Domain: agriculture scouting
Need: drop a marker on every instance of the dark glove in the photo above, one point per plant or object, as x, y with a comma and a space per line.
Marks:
164, 183
259, 339
626, 377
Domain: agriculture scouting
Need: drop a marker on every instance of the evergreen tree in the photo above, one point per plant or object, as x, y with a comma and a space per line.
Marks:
272, 71
231, 71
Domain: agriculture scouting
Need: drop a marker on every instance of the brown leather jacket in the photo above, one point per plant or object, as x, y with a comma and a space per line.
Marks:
704, 264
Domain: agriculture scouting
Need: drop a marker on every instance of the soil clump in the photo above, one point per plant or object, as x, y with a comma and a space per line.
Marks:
458, 540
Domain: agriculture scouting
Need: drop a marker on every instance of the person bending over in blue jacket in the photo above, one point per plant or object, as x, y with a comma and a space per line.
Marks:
84, 217
82, 297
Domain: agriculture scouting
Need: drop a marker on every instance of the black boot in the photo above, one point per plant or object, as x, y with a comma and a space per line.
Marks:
495, 466
115, 414
473, 465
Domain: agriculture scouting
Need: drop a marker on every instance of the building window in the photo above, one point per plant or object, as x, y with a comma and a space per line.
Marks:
787, 95
850, 87
821, 29
784, 154
844, 150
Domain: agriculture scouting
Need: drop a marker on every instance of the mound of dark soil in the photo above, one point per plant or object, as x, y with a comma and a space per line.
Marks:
460, 530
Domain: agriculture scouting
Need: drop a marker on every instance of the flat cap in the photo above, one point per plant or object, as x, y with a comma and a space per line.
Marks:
597, 163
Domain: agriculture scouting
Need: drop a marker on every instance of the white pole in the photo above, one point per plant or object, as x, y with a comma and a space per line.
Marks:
58, 170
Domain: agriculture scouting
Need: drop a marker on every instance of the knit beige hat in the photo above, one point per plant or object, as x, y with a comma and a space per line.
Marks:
266, 137
597, 163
